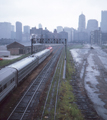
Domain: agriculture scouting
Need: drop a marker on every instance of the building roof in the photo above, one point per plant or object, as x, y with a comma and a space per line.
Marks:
15, 45
21, 45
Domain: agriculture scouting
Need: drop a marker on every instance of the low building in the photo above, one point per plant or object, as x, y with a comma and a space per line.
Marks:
80, 37
95, 37
16, 48
104, 38
47, 37
4, 53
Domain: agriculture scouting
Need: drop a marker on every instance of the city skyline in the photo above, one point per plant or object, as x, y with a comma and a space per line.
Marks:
50, 13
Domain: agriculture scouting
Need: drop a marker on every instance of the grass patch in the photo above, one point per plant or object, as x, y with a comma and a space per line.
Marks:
67, 108
76, 46
70, 70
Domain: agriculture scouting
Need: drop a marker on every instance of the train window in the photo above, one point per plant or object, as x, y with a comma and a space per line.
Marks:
11, 80
5, 86
0, 89
8, 83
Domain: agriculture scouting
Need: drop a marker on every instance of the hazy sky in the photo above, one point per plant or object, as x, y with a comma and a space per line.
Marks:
50, 13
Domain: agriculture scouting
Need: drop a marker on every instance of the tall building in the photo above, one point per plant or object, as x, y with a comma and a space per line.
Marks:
40, 26
13, 33
59, 29
18, 31
81, 24
69, 31
92, 25
12, 28
104, 21
96, 37
5, 30
64, 35
26, 34
26, 29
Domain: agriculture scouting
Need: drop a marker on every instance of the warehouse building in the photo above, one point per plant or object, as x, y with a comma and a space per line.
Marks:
16, 48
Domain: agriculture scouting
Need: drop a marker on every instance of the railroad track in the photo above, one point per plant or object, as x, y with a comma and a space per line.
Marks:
30, 99
50, 106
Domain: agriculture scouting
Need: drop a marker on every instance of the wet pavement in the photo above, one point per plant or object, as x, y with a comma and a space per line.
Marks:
91, 65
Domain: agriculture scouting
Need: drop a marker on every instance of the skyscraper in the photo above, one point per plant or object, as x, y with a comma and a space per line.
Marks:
13, 33
26, 29
69, 31
104, 21
5, 30
59, 29
81, 24
26, 34
18, 31
40, 26
92, 25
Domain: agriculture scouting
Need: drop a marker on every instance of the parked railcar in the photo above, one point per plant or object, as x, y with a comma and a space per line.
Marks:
8, 78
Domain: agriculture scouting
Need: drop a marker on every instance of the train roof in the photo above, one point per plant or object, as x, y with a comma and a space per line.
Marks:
41, 52
26, 61
22, 63
5, 72
50, 47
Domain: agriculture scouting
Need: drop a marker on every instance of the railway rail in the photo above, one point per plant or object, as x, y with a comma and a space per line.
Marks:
30, 99
50, 106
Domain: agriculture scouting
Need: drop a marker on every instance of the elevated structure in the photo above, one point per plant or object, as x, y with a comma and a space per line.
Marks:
47, 37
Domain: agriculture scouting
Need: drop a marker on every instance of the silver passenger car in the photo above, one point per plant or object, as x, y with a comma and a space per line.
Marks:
8, 77
42, 55
25, 66
11, 75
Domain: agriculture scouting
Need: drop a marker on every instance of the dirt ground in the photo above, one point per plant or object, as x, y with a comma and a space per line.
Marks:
92, 78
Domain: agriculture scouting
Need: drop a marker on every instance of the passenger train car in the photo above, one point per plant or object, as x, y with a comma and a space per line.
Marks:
13, 74
51, 49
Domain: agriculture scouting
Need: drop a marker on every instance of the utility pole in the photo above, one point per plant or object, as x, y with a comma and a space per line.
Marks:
64, 71
33, 40
65, 47
31, 46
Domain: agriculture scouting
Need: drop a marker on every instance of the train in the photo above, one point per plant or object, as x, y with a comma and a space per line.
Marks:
12, 75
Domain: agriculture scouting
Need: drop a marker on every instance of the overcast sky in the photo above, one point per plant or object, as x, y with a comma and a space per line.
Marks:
50, 13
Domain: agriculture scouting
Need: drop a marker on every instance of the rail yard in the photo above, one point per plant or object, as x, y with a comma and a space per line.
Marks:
46, 94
